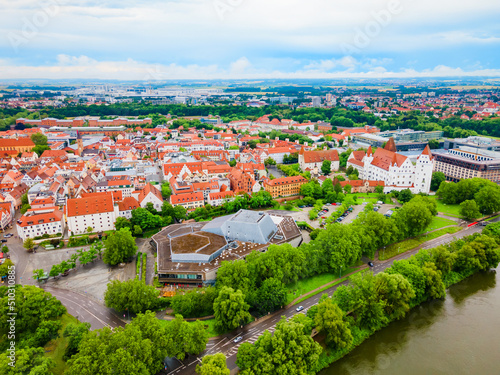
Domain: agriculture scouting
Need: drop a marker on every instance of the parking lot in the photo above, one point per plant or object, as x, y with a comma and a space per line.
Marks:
304, 214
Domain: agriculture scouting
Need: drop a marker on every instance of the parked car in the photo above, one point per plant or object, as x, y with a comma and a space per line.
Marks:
380, 202
300, 308
238, 339
370, 264
8, 235
3, 241
375, 208
350, 209
323, 217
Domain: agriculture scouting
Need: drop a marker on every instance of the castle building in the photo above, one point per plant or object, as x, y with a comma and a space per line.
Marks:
396, 170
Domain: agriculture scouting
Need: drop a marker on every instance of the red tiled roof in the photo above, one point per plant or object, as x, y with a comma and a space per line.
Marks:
186, 198
95, 204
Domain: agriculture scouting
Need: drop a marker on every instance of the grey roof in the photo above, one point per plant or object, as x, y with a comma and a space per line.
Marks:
245, 226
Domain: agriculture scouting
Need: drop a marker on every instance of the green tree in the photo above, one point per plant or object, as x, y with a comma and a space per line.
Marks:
137, 230
24, 208
488, 200
269, 161
395, 292
39, 139
122, 222
5, 267
469, 210
133, 295
230, 309
270, 296
405, 196
347, 189
119, 247
213, 365
289, 351
326, 167
29, 361
329, 319
234, 275
166, 192
437, 179
29, 244
75, 332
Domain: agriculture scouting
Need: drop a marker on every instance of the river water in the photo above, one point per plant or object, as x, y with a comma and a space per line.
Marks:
457, 335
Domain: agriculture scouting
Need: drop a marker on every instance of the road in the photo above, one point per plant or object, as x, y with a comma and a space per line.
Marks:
85, 309
230, 349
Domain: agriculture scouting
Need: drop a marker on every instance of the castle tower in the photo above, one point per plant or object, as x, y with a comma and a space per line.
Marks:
423, 171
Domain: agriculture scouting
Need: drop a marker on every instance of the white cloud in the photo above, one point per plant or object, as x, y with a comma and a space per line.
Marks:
83, 67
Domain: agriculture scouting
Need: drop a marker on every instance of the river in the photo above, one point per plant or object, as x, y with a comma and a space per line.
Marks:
457, 335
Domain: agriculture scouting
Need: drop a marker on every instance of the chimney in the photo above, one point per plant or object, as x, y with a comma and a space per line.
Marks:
306, 144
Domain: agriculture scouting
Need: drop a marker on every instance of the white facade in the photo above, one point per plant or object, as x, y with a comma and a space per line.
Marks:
99, 222
400, 174
40, 223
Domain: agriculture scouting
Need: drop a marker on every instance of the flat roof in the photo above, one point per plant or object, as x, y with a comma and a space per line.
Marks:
199, 242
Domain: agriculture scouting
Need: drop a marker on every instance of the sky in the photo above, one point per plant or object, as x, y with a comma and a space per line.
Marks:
152, 40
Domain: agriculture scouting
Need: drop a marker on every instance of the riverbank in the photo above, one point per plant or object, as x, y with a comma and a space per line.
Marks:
360, 334
454, 335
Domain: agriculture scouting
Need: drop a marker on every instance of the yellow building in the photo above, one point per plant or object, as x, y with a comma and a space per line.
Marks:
19, 145
285, 186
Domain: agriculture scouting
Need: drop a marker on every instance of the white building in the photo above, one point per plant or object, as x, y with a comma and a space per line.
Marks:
396, 170
219, 198
35, 223
96, 211
150, 194
126, 206
313, 160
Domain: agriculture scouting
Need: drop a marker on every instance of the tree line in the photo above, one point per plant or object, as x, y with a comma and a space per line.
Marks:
368, 303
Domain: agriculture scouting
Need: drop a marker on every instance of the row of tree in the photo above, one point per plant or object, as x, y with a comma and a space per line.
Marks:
368, 303
138, 348
476, 196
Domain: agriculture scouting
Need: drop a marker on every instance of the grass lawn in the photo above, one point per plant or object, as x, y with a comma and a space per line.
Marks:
304, 286
412, 243
439, 222
55, 348
293, 208
369, 200
447, 209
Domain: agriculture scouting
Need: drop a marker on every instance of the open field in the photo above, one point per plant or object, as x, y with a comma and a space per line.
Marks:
304, 286
439, 222
452, 210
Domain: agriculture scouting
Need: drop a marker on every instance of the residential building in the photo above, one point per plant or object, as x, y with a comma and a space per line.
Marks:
126, 206
189, 201
219, 198
149, 194
242, 182
285, 186
313, 160
96, 211
18, 145
36, 223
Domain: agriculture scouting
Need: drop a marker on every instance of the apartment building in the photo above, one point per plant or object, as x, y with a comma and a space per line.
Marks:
96, 211
284, 187
35, 223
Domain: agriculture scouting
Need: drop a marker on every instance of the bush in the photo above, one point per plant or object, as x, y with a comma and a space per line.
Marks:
144, 265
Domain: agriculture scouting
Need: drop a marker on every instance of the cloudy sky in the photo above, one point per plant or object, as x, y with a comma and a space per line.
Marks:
203, 39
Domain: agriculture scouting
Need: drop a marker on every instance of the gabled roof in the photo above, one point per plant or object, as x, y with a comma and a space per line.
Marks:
95, 204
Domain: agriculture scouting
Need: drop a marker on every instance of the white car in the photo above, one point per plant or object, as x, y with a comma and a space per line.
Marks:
238, 339
300, 308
